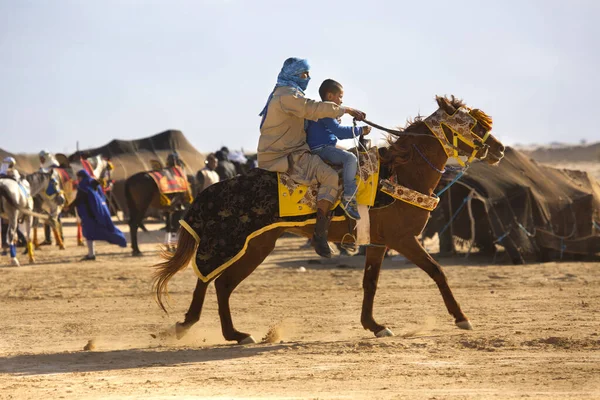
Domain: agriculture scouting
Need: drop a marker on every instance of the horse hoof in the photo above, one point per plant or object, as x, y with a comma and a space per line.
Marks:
385, 332
14, 262
248, 340
180, 330
466, 325
137, 254
61, 248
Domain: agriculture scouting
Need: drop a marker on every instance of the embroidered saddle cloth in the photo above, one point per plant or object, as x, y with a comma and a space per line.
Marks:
225, 216
68, 183
296, 199
170, 180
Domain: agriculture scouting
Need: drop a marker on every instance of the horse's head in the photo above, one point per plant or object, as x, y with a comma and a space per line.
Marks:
464, 131
48, 185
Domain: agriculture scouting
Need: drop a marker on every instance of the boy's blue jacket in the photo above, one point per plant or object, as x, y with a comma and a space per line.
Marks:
326, 132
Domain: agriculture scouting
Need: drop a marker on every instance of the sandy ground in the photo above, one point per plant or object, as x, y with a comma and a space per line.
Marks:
536, 331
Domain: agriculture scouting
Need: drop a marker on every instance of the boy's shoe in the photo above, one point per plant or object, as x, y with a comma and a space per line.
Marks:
89, 258
350, 207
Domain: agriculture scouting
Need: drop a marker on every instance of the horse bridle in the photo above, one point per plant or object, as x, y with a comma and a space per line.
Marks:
460, 124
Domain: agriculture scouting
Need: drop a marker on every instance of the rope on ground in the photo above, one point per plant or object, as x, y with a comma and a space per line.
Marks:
472, 219
525, 230
456, 178
503, 236
455, 214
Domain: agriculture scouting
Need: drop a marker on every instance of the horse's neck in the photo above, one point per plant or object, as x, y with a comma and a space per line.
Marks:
418, 174
36, 186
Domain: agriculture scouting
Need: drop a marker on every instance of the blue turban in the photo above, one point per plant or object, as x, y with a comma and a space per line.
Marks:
289, 76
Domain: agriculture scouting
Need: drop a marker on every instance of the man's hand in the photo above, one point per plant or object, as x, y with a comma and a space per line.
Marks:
366, 130
359, 115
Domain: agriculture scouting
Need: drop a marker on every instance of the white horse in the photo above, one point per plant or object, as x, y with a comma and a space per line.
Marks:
16, 204
98, 168
48, 188
97, 163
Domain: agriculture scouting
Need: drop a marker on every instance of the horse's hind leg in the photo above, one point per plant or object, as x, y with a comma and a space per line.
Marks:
258, 249
11, 236
193, 314
412, 250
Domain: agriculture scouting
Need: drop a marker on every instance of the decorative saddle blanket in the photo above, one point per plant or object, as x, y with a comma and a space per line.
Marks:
67, 183
227, 215
296, 199
88, 167
170, 180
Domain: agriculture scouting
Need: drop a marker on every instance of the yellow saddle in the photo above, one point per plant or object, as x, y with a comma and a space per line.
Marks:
296, 199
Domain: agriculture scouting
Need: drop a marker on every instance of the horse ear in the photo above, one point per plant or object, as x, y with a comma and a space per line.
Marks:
445, 105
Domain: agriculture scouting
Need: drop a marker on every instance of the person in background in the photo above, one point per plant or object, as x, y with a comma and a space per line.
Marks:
8, 169
208, 175
95, 216
47, 161
225, 168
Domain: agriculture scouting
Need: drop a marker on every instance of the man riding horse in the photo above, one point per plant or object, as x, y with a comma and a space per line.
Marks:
282, 145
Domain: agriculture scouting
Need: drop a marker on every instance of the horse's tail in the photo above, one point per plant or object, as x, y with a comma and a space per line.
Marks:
129, 200
5, 193
174, 262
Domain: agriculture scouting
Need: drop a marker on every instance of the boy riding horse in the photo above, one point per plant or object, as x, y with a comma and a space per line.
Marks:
282, 145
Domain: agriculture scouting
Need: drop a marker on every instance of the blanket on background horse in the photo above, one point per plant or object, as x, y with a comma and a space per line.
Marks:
227, 215
171, 181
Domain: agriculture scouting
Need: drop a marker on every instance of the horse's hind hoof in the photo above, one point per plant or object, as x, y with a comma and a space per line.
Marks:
136, 253
385, 332
14, 262
466, 325
180, 330
248, 340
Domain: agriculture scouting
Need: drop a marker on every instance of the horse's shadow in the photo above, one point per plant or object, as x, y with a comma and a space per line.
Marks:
39, 364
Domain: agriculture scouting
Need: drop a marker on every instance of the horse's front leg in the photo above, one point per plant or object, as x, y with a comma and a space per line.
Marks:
27, 223
373, 262
412, 250
56, 228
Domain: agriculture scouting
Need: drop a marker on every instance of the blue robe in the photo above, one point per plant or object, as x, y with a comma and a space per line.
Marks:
91, 206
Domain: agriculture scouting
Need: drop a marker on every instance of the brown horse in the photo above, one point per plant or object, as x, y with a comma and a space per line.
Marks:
141, 193
416, 159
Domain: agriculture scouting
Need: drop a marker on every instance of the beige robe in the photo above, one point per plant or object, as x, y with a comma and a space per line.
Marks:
282, 145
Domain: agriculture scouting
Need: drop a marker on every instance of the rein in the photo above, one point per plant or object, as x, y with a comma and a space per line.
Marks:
398, 133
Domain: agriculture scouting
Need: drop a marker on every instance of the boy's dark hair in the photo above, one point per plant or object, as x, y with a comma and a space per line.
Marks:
329, 86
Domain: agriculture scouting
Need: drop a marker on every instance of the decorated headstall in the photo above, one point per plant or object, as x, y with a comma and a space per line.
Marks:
461, 123
54, 190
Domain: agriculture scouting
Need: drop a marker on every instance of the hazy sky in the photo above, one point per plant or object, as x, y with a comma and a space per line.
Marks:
94, 71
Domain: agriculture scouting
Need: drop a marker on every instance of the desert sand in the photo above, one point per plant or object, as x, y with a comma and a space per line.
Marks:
536, 330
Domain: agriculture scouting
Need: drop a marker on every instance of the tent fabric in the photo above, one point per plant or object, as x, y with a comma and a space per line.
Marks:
132, 156
531, 209
26, 163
